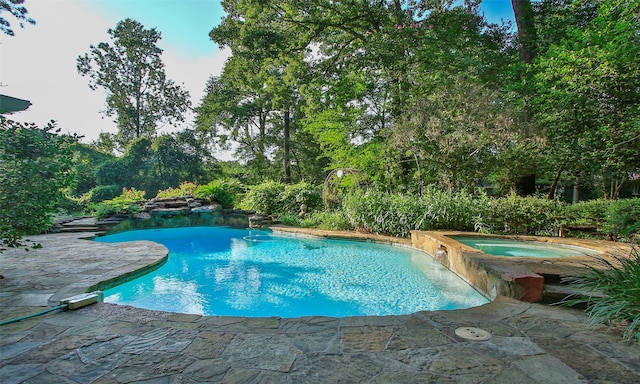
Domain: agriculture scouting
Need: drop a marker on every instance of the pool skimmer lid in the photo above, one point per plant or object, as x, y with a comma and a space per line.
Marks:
474, 334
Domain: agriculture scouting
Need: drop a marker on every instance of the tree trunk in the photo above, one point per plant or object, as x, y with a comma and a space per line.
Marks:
286, 147
523, 13
554, 185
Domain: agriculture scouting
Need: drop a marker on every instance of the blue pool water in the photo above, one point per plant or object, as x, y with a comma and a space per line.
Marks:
498, 246
232, 272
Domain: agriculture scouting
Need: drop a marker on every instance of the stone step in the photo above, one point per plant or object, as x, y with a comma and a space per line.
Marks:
74, 229
555, 293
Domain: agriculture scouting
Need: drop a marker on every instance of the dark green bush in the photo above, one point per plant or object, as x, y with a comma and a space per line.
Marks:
328, 220
623, 218
524, 215
397, 215
104, 192
586, 213
73, 205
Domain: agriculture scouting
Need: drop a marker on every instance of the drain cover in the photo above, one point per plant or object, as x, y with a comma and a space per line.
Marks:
475, 334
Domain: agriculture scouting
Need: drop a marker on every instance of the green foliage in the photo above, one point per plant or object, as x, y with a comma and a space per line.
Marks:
185, 189
623, 218
524, 215
153, 165
328, 220
18, 11
126, 203
131, 71
587, 213
264, 198
586, 92
615, 218
397, 214
277, 198
104, 192
294, 195
289, 219
86, 161
223, 192
612, 290
34, 168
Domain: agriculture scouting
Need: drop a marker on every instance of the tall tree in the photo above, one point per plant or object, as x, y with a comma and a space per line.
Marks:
265, 73
588, 96
523, 13
132, 72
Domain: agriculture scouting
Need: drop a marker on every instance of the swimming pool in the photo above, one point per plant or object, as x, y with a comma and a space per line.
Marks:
219, 271
500, 246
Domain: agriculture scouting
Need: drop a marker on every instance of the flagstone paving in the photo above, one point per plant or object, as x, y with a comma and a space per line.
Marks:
108, 344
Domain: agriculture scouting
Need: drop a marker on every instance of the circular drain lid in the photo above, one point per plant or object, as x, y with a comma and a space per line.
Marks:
475, 334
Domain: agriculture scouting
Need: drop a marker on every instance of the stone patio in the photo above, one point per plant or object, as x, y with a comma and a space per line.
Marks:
108, 343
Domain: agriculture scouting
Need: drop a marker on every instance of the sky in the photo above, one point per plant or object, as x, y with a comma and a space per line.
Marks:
39, 63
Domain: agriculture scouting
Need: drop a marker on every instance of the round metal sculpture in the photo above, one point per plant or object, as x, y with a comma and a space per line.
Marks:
332, 183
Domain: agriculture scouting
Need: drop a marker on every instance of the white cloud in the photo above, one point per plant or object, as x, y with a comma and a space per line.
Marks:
39, 64
194, 73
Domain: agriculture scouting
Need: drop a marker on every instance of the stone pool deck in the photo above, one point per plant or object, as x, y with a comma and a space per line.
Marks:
108, 344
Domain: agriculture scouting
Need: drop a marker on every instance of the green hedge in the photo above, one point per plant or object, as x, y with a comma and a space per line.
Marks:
397, 215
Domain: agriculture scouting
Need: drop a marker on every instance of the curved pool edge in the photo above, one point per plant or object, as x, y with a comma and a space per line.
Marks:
155, 263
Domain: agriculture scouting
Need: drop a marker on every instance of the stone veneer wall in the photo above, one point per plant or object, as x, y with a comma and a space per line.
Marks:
187, 211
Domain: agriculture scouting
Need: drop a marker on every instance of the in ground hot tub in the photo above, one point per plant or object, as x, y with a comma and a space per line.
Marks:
500, 246
513, 266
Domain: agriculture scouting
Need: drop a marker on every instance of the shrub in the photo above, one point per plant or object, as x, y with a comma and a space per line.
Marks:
623, 218
104, 192
289, 219
185, 189
264, 198
586, 213
618, 285
73, 205
127, 203
328, 220
295, 195
524, 215
397, 215
276, 198
222, 191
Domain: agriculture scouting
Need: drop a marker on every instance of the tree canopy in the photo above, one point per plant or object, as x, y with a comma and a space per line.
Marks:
18, 11
139, 95
429, 93
34, 168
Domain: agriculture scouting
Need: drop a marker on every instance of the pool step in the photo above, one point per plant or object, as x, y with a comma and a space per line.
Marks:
555, 293
84, 224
